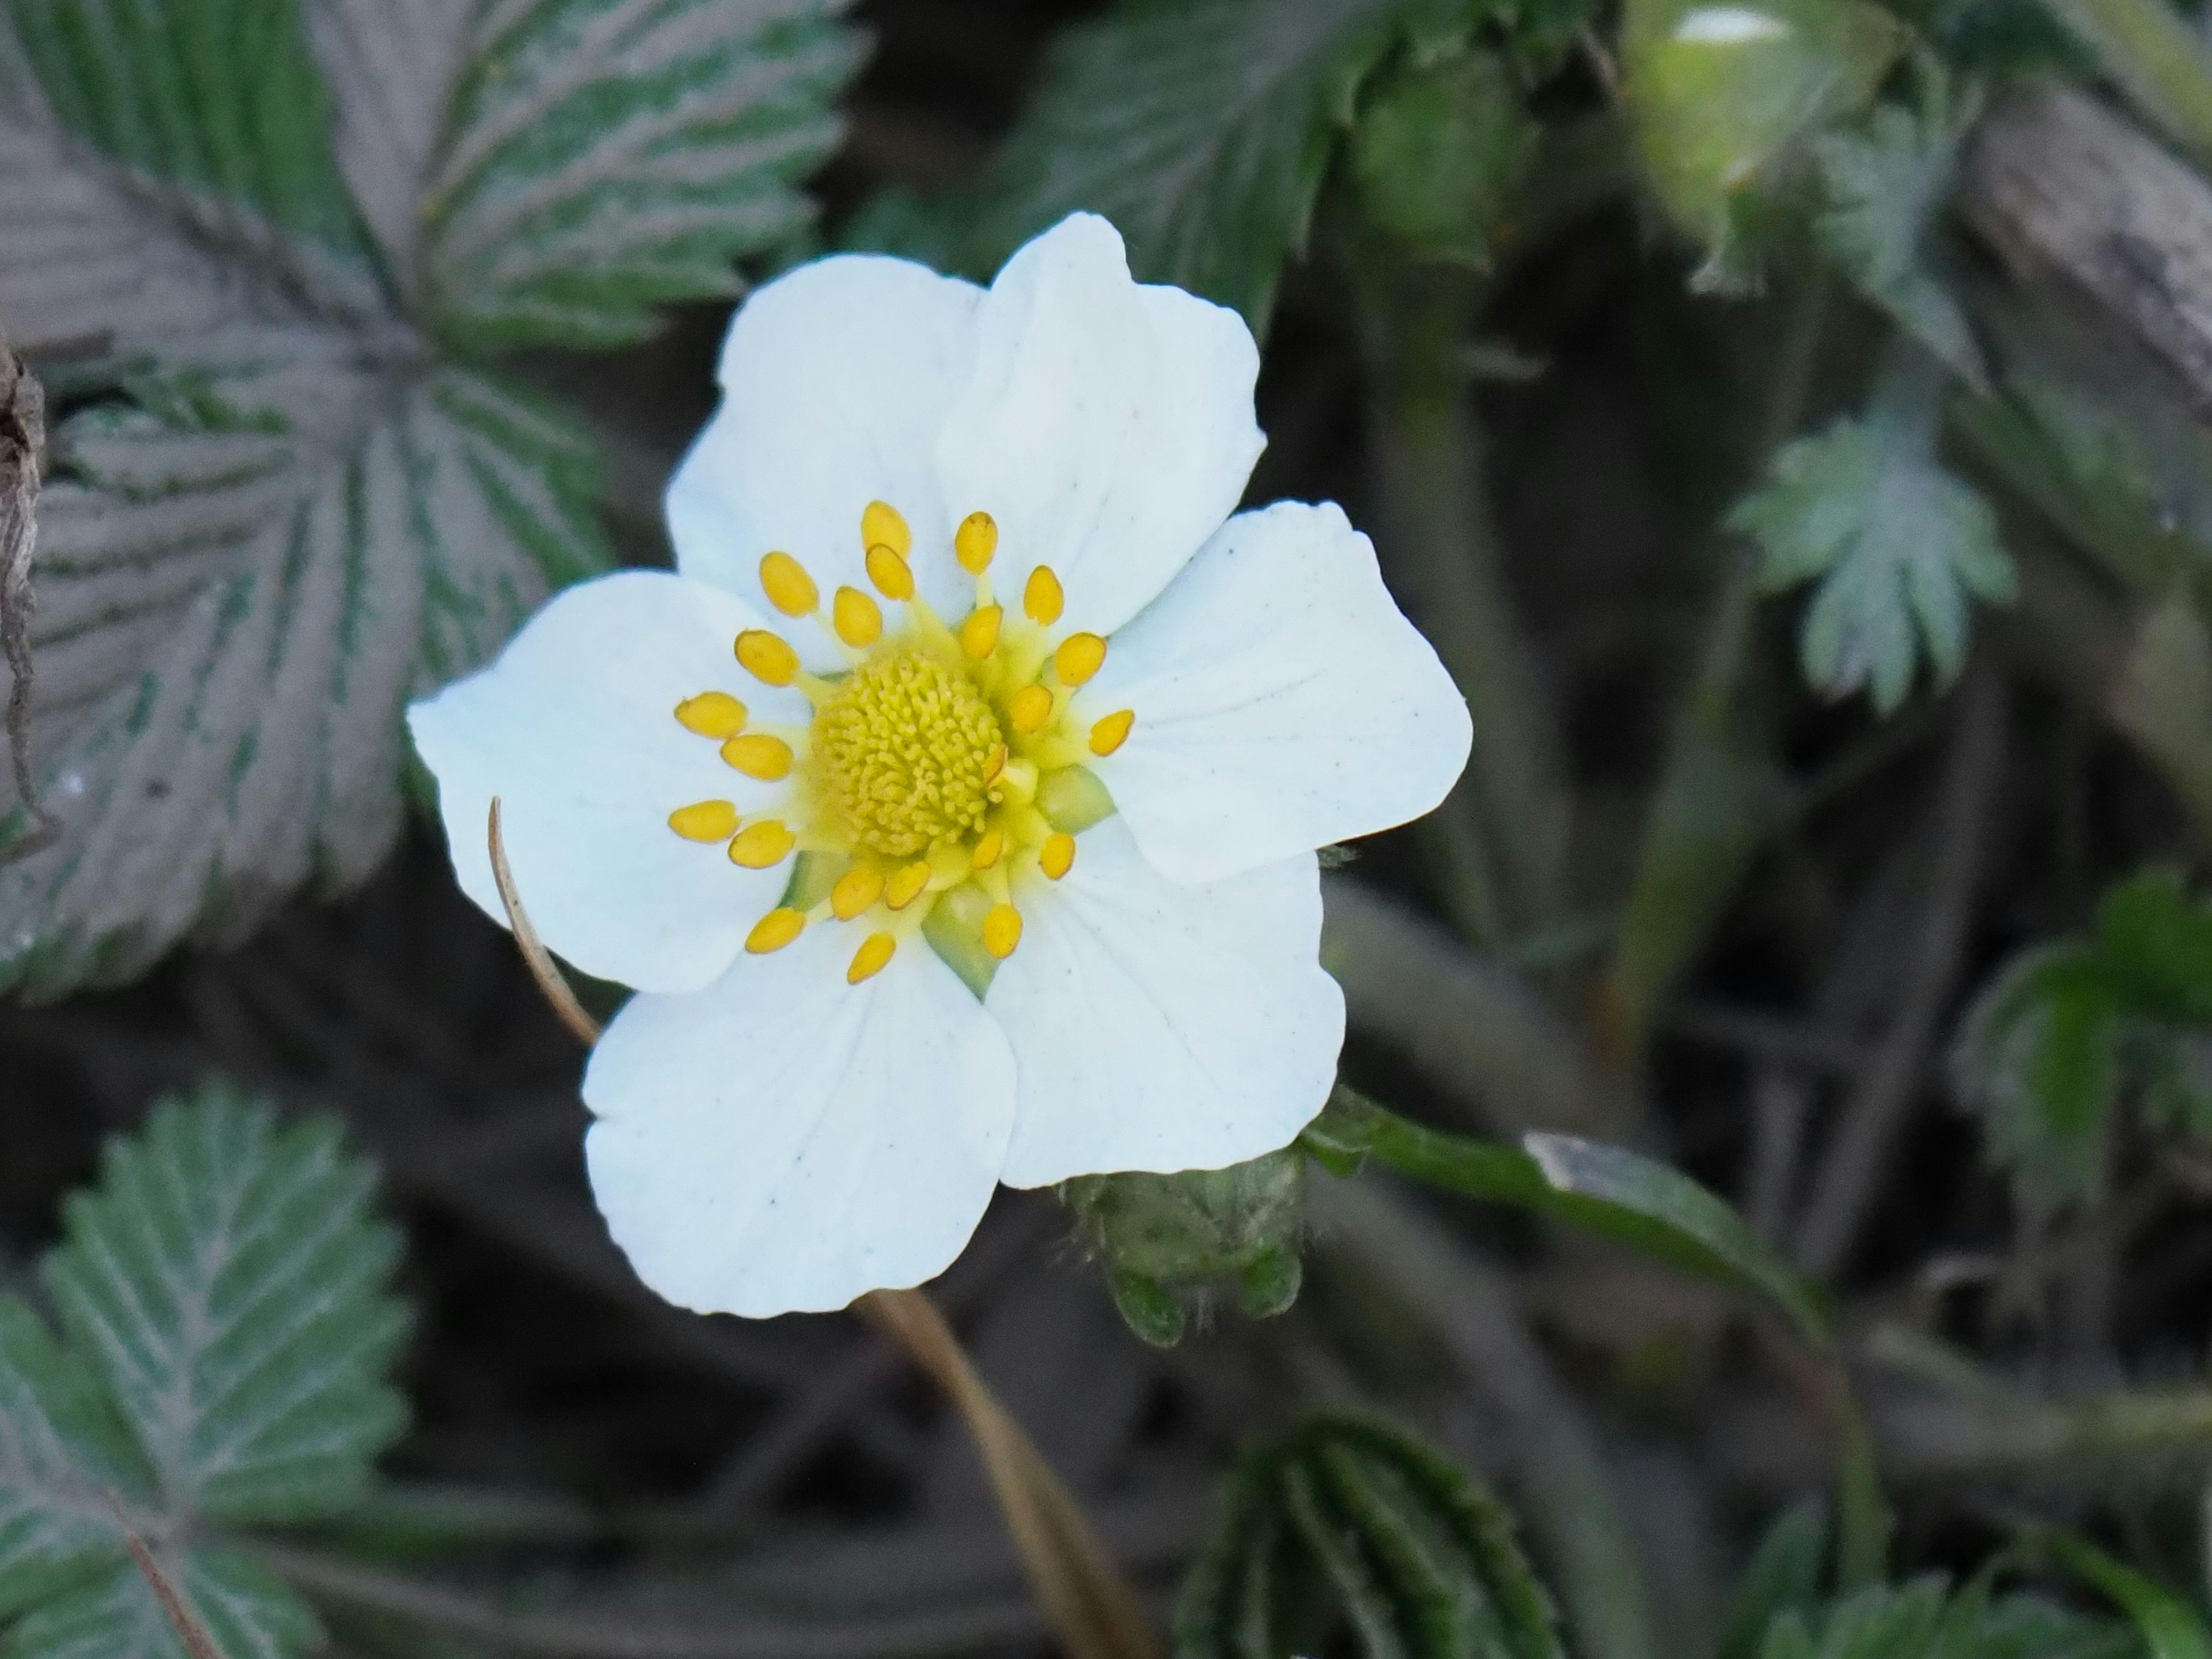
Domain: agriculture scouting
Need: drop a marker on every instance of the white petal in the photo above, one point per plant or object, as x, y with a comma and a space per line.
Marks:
835, 381
783, 1141
573, 729
1282, 701
1160, 1027
1108, 428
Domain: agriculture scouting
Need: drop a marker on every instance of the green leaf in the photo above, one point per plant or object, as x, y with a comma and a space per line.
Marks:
1201, 131
1720, 96
1437, 152
308, 504
2170, 1628
249, 1613
227, 1282
607, 157
1897, 543
62, 1453
1923, 1619
1422, 1560
1888, 184
1608, 1190
1782, 1575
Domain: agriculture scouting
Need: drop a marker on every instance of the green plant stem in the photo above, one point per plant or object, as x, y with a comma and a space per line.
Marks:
1717, 794
2163, 64
1505, 837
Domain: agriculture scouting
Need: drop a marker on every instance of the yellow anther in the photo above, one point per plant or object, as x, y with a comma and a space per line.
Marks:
974, 542
774, 930
892, 575
856, 890
759, 755
870, 959
906, 883
705, 820
1043, 599
993, 764
881, 526
979, 634
988, 850
786, 584
858, 619
1030, 709
1002, 930
1079, 657
711, 714
766, 656
1110, 734
1057, 856
761, 844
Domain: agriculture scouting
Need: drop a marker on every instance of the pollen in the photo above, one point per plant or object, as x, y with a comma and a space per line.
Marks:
889, 570
979, 634
858, 619
882, 524
1057, 856
974, 542
766, 656
759, 755
988, 850
1079, 657
856, 890
1002, 930
1110, 734
786, 584
705, 821
1042, 597
1030, 708
871, 958
901, 752
774, 930
761, 844
712, 714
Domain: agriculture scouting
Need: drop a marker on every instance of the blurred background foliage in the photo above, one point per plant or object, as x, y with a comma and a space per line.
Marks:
1787, 417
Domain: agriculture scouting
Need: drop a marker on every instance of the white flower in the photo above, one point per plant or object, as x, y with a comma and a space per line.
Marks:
952, 808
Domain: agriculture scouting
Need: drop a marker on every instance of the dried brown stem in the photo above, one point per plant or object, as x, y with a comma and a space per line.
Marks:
182, 1619
22, 463
1090, 1604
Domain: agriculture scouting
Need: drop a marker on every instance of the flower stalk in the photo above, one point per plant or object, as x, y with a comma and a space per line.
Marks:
1090, 1603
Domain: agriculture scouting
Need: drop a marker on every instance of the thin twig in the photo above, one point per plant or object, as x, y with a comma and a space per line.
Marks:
23, 464
182, 1619
1850, 1174
1092, 1606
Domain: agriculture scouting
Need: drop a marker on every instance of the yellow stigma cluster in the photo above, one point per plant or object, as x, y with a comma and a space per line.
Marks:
906, 747
943, 768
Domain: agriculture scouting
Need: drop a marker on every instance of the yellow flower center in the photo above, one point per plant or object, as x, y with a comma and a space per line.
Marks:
943, 773
905, 749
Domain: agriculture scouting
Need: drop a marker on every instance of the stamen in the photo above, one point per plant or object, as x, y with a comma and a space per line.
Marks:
974, 542
993, 764
1057, 856
856, 890
1030, 709
890, 572
870, 959
774, 930
766, 656
759, 755
1079, 657
1002, 930
786, 584
858, 619
705, 820
1043, 598
881, 526
988, 850
712, 714
979, 634
1113, 731
906, 883
759, 845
